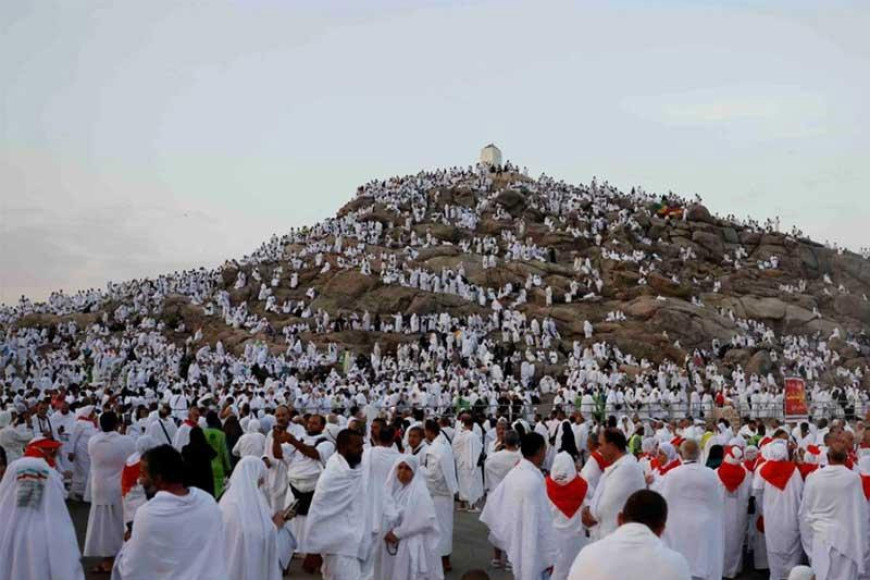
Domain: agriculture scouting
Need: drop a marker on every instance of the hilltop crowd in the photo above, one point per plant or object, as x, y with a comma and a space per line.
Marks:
98, 388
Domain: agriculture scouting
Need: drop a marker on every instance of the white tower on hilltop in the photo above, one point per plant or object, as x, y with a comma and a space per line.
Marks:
490, 156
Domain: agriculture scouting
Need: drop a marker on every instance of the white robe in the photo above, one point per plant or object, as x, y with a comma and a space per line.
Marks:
497, 466
520, 522
694, 529
569, 530
175, 537
410, 514
617, 483
37, 537
108, 453
467, 448
83, 430
779, 509
251, 538
735, 517
376, 464
162, 430
833, 518
439, 470
630, 552
336, 526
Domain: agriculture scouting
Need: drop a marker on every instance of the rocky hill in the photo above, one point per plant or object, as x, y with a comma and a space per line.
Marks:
657, 278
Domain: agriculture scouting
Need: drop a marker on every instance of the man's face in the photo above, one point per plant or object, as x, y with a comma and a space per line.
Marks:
145, 480
607, 450
41, 410
538, 459
376, 430
315, 425
430, 435
282, 417
64, 407
500, 430
414, 438
193, 414
353, 453
164, 411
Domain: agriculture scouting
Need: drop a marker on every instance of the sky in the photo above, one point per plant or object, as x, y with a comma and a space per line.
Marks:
140, 138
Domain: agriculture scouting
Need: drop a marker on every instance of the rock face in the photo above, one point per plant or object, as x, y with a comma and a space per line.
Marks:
698, 213
682, 284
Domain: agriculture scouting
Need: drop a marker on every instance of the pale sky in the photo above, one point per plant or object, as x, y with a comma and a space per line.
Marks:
137, 138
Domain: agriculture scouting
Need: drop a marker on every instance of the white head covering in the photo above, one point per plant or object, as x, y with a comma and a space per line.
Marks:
648, 445
253, 426
751, 452
801, 573
251, 541
777, 450
410, 513
564, 469
5, 418
34, 515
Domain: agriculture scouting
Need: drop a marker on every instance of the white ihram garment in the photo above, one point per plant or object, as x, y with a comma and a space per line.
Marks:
833, 518
695, 528
108, 453
251, 538
520, 522
37, 537
175, 536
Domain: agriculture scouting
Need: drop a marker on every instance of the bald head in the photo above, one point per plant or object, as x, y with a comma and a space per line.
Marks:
690, 450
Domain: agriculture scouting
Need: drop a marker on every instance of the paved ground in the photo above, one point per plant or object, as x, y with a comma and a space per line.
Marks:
470, 548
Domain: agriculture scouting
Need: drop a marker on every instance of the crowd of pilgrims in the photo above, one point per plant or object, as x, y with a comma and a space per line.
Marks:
361, 493
94, 395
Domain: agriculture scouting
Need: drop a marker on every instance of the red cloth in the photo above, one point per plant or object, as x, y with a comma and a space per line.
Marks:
130, 477
568, 498
865, 481
599, 459
731, 475
777, 473
675, 463
806, 469
677, 441
750, 465
759, 524
190, 423
40, 447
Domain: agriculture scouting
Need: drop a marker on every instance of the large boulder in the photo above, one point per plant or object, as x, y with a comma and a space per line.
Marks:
853, 307
759, 364
711, 242
763, 308
666, 287
512, 201
699, 213
349, 284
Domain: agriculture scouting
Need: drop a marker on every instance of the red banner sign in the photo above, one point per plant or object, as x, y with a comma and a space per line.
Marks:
795, 400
